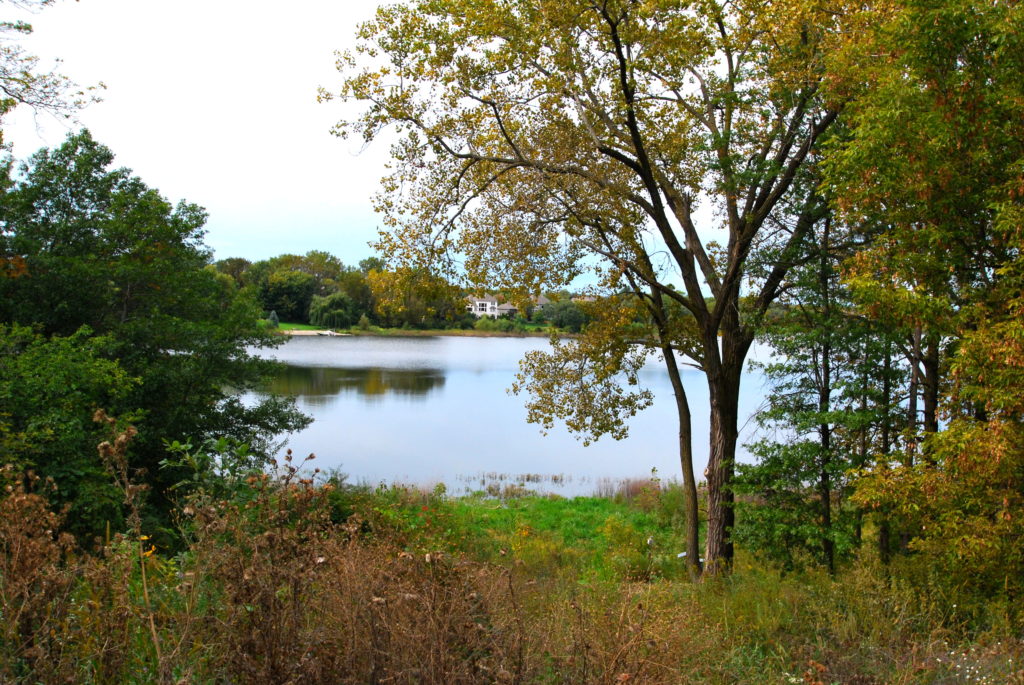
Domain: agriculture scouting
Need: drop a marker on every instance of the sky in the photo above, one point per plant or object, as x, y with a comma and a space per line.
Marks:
214, 102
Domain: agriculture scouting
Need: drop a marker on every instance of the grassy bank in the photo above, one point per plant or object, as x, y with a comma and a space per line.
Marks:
531, 330
286, 580
286, 327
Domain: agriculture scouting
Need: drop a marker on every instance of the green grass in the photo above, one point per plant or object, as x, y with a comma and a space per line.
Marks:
587, 537
535, 330
573, 522
593, 538
531, 329
285, 326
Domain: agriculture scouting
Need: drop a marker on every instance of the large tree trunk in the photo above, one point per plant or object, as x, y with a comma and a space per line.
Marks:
686, 462
723, 375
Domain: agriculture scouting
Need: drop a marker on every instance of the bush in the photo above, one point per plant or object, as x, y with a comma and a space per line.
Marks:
464, 321
33, 585
485, 323
566, 315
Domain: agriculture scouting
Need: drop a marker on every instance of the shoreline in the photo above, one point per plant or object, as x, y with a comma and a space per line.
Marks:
429, 333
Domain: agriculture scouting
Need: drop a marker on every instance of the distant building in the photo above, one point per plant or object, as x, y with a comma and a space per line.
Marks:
482, 305
506, 309
495, 306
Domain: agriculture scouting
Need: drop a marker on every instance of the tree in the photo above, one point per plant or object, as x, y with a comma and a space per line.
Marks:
932, 144
414, 298
289, 293
333, 311
21, 81
355, 285
371, 264
103, 250
287, 283
324, 267
236, 267
537, 136
825, 414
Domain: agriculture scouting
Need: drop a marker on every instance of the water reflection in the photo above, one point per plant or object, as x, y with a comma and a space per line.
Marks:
320, 386
425, 410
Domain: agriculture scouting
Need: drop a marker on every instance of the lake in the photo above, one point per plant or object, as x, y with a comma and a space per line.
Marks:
436, 410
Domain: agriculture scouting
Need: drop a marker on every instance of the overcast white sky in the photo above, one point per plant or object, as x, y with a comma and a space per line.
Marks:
214, 102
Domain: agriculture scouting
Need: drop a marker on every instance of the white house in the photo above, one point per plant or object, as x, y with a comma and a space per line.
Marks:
489, 305
482, 305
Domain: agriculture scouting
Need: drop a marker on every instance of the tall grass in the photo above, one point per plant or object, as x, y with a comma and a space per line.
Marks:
287, 580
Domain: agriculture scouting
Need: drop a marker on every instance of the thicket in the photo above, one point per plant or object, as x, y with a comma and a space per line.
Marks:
291, 576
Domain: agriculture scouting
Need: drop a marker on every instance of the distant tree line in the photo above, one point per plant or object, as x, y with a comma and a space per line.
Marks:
318, 288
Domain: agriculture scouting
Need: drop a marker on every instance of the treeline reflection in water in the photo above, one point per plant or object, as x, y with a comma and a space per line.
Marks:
425, 410
321, 385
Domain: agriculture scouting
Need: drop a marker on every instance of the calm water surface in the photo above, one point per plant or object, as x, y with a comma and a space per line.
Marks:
429, 410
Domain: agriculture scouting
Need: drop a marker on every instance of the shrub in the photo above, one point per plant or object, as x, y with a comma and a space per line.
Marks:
34, 587
486, 323
566, 315
501, 325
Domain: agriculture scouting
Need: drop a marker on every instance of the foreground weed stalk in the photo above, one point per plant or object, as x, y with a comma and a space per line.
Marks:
115, 459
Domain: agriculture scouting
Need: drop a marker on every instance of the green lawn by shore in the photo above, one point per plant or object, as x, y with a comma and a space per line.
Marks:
532, 330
